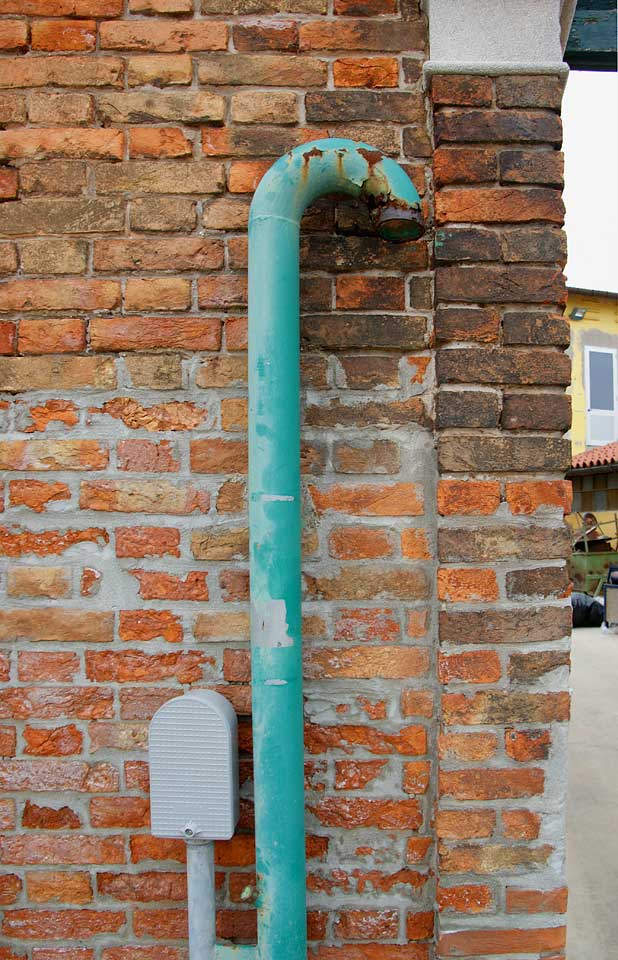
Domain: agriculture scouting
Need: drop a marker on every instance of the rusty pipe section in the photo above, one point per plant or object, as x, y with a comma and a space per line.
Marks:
293, 182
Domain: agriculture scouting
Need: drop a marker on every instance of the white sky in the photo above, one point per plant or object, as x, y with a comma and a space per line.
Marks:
590, 115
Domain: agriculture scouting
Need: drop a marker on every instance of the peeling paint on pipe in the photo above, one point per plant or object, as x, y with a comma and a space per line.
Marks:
291, 184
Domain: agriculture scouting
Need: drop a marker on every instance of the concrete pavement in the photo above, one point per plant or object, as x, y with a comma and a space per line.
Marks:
592, 825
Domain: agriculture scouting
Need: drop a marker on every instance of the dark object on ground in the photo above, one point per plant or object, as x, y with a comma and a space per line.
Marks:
587, 612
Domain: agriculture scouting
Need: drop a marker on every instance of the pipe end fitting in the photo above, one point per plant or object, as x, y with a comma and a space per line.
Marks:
398, 224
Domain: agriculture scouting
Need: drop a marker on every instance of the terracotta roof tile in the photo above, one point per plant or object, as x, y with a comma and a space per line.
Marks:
597, 456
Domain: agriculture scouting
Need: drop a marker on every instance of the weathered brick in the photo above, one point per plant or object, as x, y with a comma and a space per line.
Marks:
61, 336
36, 217
522, 245
75, 888
529, 91
161, 106
162, 176
542, 329
467, 323
502, 543
489, 284
539, 582
503, 454
337, 107
276, 35
159, 70
499, 706
497, 126
466, 585
368, 583
264, 69
536, 901
499, 205
64, 109
499, 365
532, 166
466, 243
347, 332
546, 624
366, 662
462, 91
56, 624
467, 408
465, 165
361, 35
147, 496
255, 107
529, 667
493, 858
26, 581
192, 35
60, 71
379, 457
536, 411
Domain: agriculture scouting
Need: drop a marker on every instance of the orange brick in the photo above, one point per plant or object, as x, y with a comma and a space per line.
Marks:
64, 35
375, 500
475, 666
527, 497
55, 336
466, 585
468, 497
159, 142
536, 901
360, 543
366, 72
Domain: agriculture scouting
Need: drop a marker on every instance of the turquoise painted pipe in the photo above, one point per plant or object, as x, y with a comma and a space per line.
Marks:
293, 182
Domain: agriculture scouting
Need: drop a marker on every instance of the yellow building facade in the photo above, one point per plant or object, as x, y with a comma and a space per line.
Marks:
593, 319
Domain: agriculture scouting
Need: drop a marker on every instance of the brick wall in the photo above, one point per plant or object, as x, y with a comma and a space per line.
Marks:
500, 415
133, 135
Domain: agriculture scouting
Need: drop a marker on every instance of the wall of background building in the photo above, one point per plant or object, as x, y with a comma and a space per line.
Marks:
599, 328
134, 136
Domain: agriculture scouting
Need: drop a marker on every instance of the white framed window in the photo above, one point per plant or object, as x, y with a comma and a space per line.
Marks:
601, 378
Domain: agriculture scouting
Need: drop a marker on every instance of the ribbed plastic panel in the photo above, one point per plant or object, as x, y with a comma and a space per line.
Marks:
194, 767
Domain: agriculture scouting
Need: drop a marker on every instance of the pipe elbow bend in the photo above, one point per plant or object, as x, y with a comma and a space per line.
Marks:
334, 165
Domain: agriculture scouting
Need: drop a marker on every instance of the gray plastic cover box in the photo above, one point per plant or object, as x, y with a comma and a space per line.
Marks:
193, 754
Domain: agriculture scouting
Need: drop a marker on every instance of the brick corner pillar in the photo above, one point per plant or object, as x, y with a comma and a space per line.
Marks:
501, 414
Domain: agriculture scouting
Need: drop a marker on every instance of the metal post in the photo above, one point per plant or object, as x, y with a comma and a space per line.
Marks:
201, 899
298, 178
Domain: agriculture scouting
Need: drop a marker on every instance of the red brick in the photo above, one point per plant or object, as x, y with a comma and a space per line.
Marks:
474, 943
526, 745
491, 784
147, 496
46, 741
465, 898
62, 849
119, 812
135, 666
401, 499
521, 824
462, 824
409, 741
10, 889
536, 901
141, 542
142, 625
350, 814
367, 662
61, 924
155, 333
13, 35
49, 818
61, 886
367, 925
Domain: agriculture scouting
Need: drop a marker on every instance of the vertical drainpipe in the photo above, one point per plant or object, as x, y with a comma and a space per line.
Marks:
291, 184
